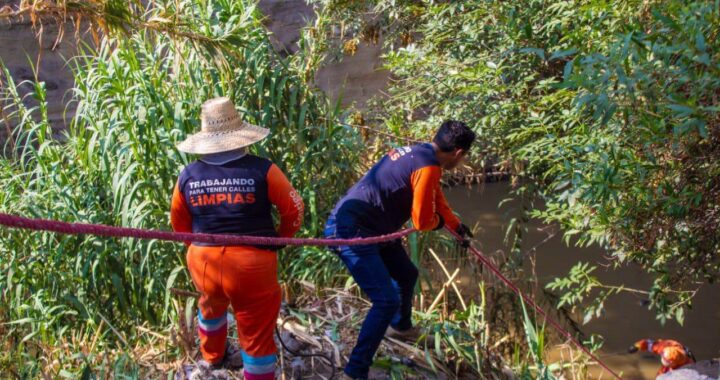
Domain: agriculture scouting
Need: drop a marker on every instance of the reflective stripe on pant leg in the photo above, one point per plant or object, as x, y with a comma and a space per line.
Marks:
204, 266
250, 280
255, 331
213, 336
210, 327
258, 367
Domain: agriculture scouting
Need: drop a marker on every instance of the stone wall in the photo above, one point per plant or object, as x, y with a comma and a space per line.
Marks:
355, 78
21, 50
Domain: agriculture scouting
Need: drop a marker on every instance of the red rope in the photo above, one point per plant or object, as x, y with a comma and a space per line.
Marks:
104, 230
532, 303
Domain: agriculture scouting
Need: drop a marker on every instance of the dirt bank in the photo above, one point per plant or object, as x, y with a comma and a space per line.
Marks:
356, 78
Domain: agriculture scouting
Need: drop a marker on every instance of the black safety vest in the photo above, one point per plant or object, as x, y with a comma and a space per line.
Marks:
230, 198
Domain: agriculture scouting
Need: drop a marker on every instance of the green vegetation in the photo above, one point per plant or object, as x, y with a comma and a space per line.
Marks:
606, 111
137, 96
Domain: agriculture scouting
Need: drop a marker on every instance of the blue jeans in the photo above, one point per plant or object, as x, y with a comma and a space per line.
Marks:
388, 277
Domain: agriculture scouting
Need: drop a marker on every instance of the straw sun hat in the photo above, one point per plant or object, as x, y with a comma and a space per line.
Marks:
221, 130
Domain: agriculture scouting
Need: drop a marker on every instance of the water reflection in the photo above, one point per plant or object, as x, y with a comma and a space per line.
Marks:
626, 319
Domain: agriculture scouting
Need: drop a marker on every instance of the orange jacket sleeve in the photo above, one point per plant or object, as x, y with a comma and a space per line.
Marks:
443, 208
180, 218
287, 200
425, 182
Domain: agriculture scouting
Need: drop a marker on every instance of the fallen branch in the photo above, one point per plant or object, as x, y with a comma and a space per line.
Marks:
447, 274
443, 290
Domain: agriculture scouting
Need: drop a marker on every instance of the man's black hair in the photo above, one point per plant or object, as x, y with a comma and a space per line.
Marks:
453, 135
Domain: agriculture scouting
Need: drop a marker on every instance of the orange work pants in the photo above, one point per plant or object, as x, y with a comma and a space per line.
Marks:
246, 278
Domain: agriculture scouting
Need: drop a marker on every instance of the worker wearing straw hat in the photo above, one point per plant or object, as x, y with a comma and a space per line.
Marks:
229, 191
404, 184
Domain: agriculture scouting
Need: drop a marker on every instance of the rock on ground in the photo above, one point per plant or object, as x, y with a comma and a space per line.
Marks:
703, 370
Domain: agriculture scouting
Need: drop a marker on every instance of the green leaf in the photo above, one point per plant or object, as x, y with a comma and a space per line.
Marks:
700, 42
538, 52
568, 69
562, 54
681, 110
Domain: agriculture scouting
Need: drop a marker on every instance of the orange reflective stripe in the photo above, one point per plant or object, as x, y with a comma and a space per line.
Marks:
425, 182
246, 278
287, 200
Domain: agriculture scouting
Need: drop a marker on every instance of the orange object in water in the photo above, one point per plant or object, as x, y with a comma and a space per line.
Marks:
673, 354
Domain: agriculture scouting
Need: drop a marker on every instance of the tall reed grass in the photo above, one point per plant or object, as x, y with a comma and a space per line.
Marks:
137, 96
86, 307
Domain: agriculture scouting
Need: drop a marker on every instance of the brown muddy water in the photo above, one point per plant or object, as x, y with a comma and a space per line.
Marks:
625, 320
